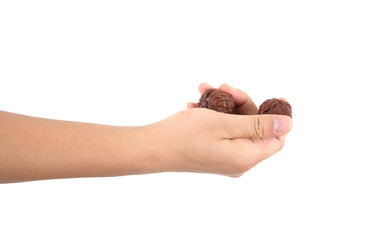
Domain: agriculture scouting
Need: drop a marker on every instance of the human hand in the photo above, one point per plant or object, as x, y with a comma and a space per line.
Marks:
202, 140
195, 140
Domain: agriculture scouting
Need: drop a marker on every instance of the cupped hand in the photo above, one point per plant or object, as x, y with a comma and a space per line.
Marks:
244, 104
203, 140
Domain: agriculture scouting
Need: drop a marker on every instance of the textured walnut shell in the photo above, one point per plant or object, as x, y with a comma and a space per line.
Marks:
217, 100
275, 106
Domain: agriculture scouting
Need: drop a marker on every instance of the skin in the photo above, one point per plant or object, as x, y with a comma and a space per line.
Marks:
193, 140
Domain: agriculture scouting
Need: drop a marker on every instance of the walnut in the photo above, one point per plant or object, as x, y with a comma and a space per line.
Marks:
217, 100
275, 106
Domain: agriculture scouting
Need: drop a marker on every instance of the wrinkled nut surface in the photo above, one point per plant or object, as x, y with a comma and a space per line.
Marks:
217, 100
275, 106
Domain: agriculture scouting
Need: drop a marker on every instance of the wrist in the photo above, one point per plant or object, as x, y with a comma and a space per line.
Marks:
146, 150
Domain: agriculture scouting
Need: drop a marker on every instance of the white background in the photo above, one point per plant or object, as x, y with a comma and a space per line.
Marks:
120, 62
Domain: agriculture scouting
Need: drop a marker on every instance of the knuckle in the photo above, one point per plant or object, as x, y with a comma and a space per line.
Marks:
257, 126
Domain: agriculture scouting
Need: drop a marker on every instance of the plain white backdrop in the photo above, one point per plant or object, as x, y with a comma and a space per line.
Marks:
120, 63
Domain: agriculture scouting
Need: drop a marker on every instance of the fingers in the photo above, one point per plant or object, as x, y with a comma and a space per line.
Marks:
252, 151
255, 126
244, 104
191, 105
203, 87
268, 147
249, 152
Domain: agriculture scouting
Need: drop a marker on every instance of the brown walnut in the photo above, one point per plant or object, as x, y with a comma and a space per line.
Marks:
217, 100
275, 106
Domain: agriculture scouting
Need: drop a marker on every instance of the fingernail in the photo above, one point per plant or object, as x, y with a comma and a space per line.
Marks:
282, 124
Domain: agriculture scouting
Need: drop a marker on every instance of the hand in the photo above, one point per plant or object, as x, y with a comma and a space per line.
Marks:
202, 140
196, 140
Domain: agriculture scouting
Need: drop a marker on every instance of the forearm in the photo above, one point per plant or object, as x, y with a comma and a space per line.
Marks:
35, 148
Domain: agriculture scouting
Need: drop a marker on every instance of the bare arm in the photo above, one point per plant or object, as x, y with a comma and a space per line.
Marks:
35, 148
194, 140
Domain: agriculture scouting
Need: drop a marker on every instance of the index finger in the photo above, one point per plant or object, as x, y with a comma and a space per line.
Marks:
244, 104
203, 87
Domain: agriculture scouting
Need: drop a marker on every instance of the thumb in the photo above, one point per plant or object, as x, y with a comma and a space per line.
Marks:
256, 126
